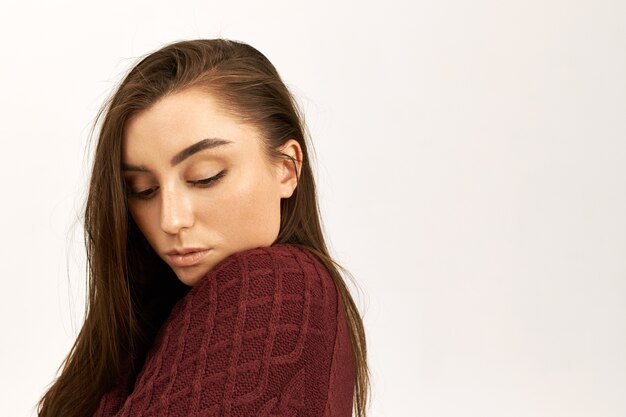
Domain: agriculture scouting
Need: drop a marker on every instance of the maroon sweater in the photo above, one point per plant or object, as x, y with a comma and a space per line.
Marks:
262, 334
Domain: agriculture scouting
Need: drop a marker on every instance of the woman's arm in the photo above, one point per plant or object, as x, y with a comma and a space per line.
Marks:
255, 337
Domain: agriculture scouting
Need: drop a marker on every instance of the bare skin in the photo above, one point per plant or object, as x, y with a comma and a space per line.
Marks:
239, 210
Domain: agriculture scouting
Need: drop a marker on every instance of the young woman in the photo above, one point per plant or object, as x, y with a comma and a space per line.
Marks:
211, 291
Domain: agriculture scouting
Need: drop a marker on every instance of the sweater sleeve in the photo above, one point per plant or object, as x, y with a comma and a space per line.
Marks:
255, 337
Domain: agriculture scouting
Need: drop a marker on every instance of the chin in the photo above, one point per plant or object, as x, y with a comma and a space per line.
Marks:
189, 276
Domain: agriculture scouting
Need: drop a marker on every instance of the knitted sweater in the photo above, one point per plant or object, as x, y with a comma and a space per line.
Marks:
263, 334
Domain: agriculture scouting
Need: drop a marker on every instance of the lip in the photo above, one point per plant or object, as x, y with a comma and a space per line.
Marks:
188, 257
184, 251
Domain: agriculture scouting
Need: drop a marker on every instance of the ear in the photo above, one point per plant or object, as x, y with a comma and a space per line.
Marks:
287, 178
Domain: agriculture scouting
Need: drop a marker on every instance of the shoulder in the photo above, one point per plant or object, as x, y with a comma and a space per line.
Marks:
279, 258
282, 274
286, 262
257, 331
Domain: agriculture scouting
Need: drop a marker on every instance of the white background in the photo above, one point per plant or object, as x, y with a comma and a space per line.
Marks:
471, 163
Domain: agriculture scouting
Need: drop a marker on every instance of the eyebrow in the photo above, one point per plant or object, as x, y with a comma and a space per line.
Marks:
208, 143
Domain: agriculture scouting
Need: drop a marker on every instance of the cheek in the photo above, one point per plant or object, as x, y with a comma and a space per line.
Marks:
249, 206
146, 225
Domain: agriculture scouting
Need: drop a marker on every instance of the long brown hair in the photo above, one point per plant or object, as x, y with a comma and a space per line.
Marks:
130, 288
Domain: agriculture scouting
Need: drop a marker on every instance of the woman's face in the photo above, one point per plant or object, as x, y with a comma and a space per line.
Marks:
169, 149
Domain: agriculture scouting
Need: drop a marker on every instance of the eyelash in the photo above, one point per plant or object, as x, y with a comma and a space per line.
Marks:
203, 183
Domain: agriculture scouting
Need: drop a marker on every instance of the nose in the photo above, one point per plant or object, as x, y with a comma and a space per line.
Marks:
176, 211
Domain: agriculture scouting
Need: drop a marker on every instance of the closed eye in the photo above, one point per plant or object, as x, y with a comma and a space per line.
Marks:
203, 183
207, 181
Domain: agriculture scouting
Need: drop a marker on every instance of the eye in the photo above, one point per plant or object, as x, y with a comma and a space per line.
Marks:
209, 181
203, 183
142, 195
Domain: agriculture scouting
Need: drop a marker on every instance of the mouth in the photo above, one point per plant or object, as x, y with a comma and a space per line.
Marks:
189, 258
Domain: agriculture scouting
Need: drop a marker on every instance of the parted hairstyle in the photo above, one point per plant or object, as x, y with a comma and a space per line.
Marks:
130, 289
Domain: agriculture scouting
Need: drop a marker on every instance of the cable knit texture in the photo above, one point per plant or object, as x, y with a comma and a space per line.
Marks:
263, 334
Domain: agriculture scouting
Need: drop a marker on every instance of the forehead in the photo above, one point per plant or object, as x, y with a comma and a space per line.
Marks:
180, 120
